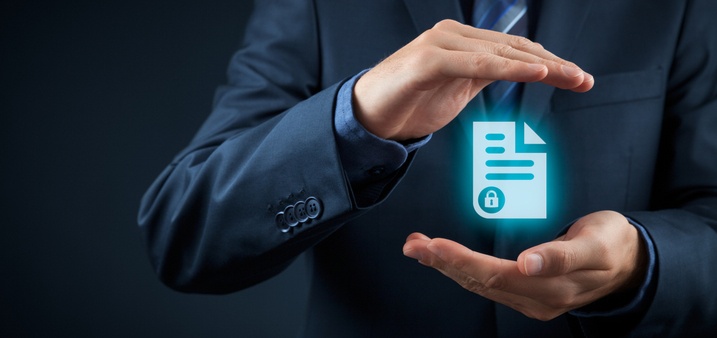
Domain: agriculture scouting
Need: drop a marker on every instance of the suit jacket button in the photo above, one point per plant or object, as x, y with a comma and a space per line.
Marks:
313, 207
300, 211
377, 170
290, 217
281, 222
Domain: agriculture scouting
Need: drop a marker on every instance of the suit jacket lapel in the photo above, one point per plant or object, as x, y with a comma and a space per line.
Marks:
426, 13
558, 27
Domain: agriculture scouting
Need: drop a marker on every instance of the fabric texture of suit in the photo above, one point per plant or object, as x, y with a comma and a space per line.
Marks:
642, 142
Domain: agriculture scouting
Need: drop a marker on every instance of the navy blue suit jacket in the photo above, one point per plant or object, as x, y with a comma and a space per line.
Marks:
642, 142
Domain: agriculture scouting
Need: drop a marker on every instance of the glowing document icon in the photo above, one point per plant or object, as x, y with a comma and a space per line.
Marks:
507, 183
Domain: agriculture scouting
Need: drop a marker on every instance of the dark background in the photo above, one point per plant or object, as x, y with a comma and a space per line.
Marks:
95, 99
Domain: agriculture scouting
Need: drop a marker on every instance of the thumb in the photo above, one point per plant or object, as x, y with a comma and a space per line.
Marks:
554, 258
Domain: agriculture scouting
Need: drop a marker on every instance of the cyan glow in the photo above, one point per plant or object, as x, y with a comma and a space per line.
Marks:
505, 165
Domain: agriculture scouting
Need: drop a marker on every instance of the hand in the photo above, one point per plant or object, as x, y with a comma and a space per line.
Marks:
424, 85
600, 254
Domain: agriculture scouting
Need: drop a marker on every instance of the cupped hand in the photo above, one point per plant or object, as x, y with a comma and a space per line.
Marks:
424, 85
599, 255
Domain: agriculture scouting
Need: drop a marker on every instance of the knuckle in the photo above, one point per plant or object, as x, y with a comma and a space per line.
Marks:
521, 42
458, 263
424, 57
427, 37
445, 24
473, 285
484, 63
434, 263
489, 65
503, 50
567, 261
480, 58
496, 282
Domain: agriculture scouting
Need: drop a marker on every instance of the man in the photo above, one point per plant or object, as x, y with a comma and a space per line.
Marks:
303, 149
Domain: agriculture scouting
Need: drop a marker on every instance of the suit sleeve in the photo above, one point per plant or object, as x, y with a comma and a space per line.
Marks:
214, 218
683, 224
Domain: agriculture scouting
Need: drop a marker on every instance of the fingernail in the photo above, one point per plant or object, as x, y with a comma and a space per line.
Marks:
589, 78
413, 254
571, 71
533, 264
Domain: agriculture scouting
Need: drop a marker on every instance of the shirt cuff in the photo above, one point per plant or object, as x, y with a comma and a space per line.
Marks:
612, 308
366, 157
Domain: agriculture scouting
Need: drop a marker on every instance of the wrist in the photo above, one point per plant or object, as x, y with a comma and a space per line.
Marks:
372, 122
639, 263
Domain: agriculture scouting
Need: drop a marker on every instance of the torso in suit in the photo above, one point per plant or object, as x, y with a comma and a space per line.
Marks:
642, 142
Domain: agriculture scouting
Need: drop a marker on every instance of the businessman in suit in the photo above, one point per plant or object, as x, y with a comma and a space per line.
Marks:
309, 148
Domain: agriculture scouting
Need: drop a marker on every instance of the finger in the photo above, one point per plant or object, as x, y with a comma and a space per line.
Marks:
463, 258
501, 281
587, 84
561, 73
528, 51
491, 67
515, 41
559, 258
417, 235
485, 274
477, 272
415, 246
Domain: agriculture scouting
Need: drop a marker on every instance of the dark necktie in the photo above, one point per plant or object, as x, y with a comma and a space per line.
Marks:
506, 16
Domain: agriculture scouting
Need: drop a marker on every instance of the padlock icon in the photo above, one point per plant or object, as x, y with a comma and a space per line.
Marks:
491, 199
